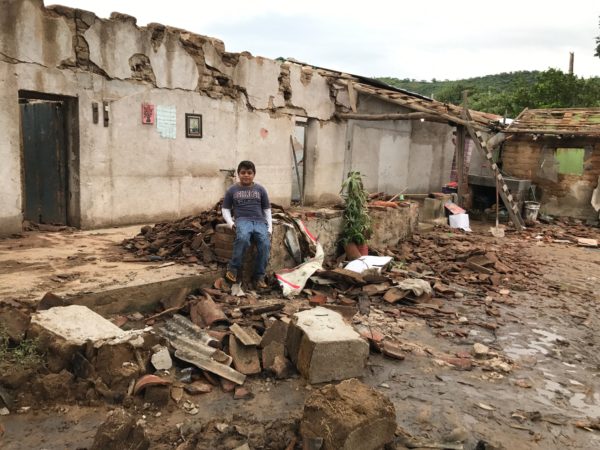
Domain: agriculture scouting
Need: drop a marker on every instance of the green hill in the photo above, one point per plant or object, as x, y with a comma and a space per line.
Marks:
510, 92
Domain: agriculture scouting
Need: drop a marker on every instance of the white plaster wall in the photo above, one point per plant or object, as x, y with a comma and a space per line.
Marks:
324, 161
10, 164
381, 152
260, 78
312, 96
30, 36
365, 155
112, 43
266, 142
431, 153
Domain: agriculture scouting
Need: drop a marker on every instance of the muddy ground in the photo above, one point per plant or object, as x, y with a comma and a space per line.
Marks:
548, 335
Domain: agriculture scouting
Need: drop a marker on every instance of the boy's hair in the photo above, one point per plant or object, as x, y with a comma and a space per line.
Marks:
248, 165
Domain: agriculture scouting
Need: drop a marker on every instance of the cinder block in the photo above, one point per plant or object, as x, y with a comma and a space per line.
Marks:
324, 347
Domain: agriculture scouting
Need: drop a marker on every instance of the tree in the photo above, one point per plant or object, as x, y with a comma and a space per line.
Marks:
597, 46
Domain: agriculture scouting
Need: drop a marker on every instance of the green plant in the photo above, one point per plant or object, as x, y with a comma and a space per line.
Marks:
25, 353
357, 222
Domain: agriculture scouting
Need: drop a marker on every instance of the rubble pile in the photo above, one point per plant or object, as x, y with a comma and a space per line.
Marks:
565, 230
186, 240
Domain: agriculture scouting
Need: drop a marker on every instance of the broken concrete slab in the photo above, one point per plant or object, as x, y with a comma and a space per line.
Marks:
349, 416
324, 347
76, 324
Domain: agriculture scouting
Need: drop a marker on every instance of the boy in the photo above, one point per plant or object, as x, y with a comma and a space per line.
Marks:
251, 221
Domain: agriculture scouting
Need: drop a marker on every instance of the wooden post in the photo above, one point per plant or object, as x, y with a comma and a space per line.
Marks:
461, 134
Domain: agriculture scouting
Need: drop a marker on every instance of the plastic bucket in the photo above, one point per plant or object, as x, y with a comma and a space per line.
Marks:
531, 210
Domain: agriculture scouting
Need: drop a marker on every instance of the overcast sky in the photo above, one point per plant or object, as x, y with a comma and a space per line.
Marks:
419, 39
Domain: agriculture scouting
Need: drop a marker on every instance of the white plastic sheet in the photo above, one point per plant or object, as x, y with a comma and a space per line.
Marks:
368, 262
292, 281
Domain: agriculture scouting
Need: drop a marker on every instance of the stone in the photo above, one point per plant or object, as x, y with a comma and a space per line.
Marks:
161, 360
276, 332
324, 347
197, 388
241, 393
120, 432
480, 350
349, 416
282, 367
227, 386
176, 393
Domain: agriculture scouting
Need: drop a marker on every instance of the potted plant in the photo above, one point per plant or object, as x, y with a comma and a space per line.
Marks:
357, 222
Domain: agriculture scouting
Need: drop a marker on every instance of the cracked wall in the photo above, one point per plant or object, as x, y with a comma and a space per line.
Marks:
128, 173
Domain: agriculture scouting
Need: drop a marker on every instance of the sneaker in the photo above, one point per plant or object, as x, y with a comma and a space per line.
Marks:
231, 276
261, 284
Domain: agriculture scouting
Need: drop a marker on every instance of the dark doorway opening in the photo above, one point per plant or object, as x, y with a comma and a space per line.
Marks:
50, 158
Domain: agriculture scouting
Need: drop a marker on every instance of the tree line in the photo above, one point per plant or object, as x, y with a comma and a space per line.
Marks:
508, 94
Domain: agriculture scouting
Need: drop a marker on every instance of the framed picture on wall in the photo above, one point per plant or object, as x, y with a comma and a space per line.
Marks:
193, 125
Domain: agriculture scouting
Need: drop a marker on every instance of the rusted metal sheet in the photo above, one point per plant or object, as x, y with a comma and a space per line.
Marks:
45, 162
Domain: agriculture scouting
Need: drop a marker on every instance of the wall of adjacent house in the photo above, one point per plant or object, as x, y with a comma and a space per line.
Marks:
131, 173
402, 155
565, 172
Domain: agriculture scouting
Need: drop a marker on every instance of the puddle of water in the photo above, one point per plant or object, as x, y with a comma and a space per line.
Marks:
579, 401
535, 346
547, 335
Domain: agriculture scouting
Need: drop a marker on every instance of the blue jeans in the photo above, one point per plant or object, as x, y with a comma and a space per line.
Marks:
245, 231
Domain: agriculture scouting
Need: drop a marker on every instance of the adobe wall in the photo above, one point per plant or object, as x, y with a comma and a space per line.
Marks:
129, 173
561, 194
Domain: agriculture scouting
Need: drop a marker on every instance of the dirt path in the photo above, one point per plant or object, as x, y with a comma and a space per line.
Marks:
74, 262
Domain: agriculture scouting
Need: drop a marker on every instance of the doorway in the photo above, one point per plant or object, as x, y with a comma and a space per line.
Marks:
50, 158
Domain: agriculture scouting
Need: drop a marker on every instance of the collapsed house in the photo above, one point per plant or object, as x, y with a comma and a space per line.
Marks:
108, 123
559, 151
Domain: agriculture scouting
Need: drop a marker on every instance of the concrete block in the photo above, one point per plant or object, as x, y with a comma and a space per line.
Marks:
348, 416
324, 348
